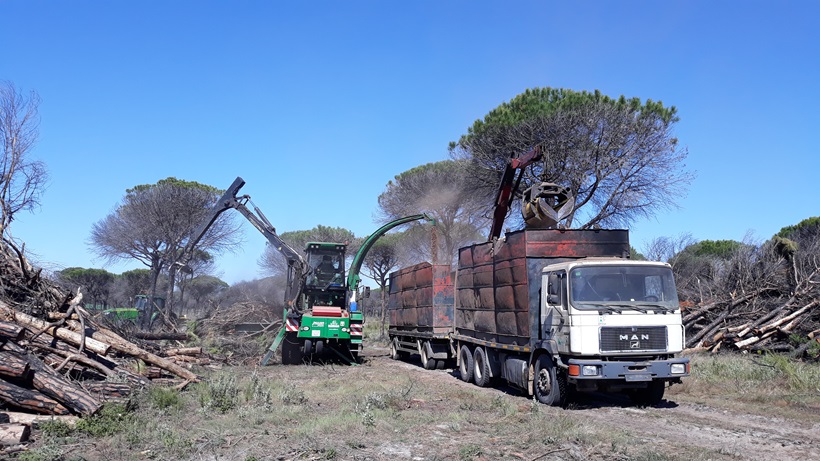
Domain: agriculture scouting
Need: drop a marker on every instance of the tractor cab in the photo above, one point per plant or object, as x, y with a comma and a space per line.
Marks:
325, 283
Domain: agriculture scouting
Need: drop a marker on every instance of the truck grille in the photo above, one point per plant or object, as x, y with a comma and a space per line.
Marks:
632, 339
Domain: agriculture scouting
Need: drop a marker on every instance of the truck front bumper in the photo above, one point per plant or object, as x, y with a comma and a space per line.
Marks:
629, 371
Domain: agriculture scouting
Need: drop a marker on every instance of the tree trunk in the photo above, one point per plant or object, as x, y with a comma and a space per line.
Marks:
28, 399
12, 366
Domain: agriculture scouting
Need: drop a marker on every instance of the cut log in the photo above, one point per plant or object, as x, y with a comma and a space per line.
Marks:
126, 347
103, 390
44, 379
170, 336
28, 399
13, 366
71, 337
70, 395
34, 420
183, 351
10, 331
12, 434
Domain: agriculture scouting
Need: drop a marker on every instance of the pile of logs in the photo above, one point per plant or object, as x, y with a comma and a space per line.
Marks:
56, 360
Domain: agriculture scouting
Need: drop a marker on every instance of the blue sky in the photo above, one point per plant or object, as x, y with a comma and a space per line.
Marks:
317, 105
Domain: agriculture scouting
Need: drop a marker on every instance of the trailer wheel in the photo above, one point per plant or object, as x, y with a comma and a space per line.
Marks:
394, 349
481, 372
465, 364
426, 353
650, 396
550, 385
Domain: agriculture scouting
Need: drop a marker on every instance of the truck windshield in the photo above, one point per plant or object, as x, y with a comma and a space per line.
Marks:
634, 287
326, 269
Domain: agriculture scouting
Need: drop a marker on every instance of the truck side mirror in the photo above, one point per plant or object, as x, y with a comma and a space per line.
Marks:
366, 293
553, 289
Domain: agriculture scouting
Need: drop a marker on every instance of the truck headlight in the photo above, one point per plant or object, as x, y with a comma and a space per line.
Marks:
678, 368
589, 370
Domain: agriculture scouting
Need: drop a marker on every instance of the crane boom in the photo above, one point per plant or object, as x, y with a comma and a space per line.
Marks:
296, 263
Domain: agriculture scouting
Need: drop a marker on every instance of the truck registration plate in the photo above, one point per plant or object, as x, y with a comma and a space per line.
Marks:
638, 377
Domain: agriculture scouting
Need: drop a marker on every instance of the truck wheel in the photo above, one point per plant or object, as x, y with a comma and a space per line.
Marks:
481, 372
651, 396
426, 353
550, 386
465, 364
394, 349
291, 350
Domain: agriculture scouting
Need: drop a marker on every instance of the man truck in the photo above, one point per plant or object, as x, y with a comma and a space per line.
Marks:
551, 311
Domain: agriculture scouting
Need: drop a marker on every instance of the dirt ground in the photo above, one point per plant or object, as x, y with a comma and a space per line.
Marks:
681, 424
386, 410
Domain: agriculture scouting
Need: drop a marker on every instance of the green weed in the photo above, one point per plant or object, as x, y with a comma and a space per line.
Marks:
470, 451
164, 398
111, 419
221, 393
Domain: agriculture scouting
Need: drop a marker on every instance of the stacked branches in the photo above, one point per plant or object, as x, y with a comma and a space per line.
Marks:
53, 354
753, 297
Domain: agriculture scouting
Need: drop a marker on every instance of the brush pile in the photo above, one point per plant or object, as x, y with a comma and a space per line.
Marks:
55, 359
757, 298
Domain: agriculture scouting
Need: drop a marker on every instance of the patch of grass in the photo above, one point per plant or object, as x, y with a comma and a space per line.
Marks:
164, 398
111, 419
55, 428
372, 332
292, 395
221, 393
469, 452
755, 378
47, 452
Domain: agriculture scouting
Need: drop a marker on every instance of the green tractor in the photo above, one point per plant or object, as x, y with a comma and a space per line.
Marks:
140, 314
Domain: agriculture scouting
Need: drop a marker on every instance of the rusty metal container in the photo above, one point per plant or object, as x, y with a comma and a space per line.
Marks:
421, 299
497, 288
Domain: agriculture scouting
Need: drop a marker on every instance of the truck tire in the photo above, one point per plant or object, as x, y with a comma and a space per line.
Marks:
651, 396
426, 353
465, 364
481, 372
550, 385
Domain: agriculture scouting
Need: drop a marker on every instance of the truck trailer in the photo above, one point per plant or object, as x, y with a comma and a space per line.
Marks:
550, 311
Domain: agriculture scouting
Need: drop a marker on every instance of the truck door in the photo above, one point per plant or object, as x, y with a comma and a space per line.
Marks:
554, 315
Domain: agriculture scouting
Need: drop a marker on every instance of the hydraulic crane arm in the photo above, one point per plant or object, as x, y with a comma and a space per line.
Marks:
296, 263
508, 186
